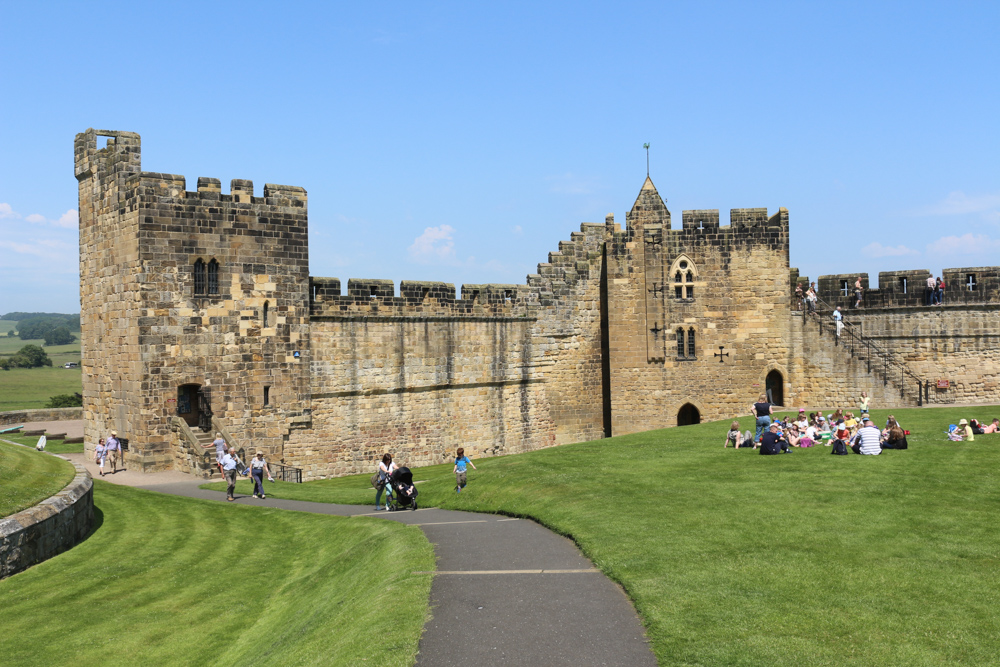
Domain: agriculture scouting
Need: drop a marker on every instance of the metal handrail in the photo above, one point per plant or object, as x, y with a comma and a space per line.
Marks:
285, 473
859, 341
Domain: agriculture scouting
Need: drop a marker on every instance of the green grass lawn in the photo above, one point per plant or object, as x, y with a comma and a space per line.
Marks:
28, 477
31, 388
166, 580
7, 325
53, 446
10, 345
738, 559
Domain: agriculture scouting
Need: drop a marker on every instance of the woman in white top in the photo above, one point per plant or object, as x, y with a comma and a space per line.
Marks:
385, 469
258, 468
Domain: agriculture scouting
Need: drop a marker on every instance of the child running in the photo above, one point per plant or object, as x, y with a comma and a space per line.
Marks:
461, 461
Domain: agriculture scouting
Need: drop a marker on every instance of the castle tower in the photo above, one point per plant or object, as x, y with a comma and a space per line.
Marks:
194, 307
695, 314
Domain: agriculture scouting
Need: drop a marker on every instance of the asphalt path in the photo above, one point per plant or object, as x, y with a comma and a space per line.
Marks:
505, 592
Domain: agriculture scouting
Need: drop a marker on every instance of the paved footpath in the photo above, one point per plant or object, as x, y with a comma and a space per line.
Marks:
506, 591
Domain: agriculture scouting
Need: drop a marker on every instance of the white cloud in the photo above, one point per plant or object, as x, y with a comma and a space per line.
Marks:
959, 203
435, 244
7, 212
966, 244
878, 250
26, 248
36, 219
70, 219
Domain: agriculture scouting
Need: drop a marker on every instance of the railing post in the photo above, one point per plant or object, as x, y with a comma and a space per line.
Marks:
868, 357
885, 371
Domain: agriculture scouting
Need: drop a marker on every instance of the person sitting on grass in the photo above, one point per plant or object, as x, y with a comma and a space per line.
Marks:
842, 433
992, 428
772, 443
802, 423
896, 439
966, 430
977, 428
734, 436
461, 461
851, 423
867, 440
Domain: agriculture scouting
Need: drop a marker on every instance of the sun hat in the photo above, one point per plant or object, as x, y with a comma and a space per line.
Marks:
962, 422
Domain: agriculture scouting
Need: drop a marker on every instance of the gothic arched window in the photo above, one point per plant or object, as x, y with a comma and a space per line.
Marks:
680, 342
685, 275
199, 277
691, 348
213, 277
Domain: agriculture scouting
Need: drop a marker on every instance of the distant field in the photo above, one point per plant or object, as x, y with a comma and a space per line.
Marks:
7, 325
30, 388
10, 346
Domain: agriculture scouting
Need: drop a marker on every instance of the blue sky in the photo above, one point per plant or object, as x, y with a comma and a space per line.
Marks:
462, 141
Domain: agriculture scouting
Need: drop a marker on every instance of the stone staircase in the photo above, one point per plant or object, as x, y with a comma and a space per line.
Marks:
190, 455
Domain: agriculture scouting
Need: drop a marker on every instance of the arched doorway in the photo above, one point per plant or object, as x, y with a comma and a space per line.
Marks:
194, 406
775, 385
687, 415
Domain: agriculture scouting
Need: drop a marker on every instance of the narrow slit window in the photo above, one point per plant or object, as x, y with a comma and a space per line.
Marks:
970, 282
373, 293
680, 342
691, 343
902, 285
266, 315
844, 289
213, 277
199, 277
267, 395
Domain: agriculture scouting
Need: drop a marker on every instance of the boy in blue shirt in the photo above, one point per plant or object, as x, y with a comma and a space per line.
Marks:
461, 461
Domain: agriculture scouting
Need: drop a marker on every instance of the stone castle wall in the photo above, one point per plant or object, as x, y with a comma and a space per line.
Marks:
621, 330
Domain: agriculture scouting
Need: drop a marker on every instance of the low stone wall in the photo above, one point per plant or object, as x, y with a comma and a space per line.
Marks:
42, 415
50, 527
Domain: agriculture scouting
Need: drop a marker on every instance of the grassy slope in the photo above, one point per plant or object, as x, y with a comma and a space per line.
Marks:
737, 559
27, 477
31, 388
169, 581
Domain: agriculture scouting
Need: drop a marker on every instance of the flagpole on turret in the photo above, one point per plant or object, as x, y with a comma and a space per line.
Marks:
646, 146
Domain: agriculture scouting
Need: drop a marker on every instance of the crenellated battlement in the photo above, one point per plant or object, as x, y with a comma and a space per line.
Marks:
908, 288
377, 298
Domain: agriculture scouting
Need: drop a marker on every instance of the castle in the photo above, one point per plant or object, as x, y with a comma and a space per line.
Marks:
199, 315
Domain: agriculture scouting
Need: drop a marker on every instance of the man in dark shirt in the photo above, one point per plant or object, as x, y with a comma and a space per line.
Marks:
772, 443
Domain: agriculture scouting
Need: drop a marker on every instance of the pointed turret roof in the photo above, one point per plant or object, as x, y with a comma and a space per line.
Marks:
649, 207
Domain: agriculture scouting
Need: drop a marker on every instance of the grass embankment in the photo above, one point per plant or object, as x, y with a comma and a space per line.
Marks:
51, 446
166, 580
738, 559
28, 477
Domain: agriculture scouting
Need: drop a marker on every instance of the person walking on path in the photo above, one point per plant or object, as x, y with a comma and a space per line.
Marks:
99, 453
385, 469
761, 410
229, 463
112, 447
220, 449
461, 461
839, 319
258, 468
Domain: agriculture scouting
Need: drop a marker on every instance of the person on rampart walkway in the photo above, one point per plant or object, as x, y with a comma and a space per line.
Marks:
811, 297
939, 291
858, 292
112, 450
838, 317
929, 291
385, 469
258, 468
229, 463
761, 411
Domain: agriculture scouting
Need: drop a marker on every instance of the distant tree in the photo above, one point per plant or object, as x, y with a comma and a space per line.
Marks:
11, 333
4, 364
58, 336
36, 327
30, 356
65, 401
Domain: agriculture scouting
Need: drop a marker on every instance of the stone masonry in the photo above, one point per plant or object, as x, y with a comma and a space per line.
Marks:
199, 306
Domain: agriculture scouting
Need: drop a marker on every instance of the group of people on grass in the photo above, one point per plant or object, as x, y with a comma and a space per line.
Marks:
839, 430
968, 430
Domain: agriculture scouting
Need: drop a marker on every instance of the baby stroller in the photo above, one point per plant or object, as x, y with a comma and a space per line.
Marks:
404, 493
